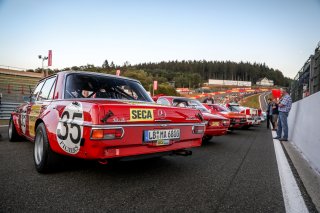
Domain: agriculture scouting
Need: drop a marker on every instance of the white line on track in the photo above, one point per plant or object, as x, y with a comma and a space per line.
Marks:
3, 125
293, 200
260, 101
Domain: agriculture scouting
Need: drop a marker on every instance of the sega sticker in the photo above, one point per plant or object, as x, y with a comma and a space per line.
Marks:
70, 128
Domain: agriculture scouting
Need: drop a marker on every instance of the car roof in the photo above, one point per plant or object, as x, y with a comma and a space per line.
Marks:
177, 98
89, 73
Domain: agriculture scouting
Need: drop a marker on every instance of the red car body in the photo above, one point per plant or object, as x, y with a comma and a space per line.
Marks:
234, 107
215, 125
97, 116
237, 119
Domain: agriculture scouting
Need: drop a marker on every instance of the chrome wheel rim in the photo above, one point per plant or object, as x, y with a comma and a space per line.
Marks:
10, 129
38, 148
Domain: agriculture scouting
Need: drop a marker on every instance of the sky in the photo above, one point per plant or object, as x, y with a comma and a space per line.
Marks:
280, 33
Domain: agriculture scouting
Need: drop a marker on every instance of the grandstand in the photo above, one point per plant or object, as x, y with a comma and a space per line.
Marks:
307, 81
16, 84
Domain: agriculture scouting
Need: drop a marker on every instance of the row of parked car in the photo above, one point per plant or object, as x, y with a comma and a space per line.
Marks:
101, 117
218, 118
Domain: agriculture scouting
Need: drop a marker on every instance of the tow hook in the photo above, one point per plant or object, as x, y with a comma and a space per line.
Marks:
182, 152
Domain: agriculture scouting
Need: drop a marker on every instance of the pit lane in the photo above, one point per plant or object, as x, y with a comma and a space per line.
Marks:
233, 173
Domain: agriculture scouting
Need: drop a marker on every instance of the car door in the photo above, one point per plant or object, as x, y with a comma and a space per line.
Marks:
25, 115
42, 97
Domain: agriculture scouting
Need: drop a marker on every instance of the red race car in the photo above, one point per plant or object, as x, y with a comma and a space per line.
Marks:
216, 125
97, 116
234, 107
237, 119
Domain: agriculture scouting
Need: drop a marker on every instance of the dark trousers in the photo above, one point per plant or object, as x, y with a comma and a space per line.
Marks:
269, 119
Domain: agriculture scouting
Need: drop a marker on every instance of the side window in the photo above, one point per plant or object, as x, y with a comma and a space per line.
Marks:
163, 102
52, 91
44, 94
37, 91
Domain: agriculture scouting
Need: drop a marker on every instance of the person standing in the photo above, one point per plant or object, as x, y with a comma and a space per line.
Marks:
284, 108
275, 114
209, 100
269, 112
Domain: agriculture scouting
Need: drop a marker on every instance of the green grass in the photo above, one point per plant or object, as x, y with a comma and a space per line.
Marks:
251, 101
4, 122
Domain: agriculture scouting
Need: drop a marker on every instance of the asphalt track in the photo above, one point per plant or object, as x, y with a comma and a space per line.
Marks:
233, 173
263, 101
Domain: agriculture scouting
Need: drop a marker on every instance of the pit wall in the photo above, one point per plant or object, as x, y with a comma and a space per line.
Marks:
304, 128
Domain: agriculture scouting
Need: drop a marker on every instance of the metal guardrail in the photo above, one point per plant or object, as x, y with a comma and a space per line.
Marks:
13, 68
6, 108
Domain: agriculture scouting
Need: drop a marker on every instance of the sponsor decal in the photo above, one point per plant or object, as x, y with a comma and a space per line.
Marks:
70, 128
119, 119
23, 119
141, 114
34, 114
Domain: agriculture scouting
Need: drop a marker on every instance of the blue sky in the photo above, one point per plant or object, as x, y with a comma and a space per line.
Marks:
281, 33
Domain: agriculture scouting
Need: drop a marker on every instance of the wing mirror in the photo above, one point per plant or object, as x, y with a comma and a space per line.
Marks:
28, 99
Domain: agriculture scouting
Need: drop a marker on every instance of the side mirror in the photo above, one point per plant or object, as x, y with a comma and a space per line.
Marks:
26, 99
32, 99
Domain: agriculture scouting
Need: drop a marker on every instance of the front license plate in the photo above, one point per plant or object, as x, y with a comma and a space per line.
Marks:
238, 120
161, 134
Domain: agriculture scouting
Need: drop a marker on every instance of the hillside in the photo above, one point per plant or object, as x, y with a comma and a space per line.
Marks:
251, 101
192, 73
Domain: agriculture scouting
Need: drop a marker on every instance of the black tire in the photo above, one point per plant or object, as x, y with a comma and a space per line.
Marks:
12, 132
44, 157
206, 138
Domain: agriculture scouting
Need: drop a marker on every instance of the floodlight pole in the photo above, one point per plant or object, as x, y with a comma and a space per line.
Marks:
43, 58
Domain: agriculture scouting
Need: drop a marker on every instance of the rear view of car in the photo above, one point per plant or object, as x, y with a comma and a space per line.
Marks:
237, 119
236, 108
216, 125
101, 117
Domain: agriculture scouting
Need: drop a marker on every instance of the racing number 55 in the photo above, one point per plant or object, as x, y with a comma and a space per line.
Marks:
78, 130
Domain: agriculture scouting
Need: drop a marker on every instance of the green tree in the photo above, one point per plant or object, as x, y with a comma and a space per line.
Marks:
141, 76
166, 89
105, 65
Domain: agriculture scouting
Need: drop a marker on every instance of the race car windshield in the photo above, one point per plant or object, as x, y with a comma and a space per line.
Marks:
196, 104
221, 108
235, 108
107, 87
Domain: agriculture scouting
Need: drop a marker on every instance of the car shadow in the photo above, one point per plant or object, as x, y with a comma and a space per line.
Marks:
113, 167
